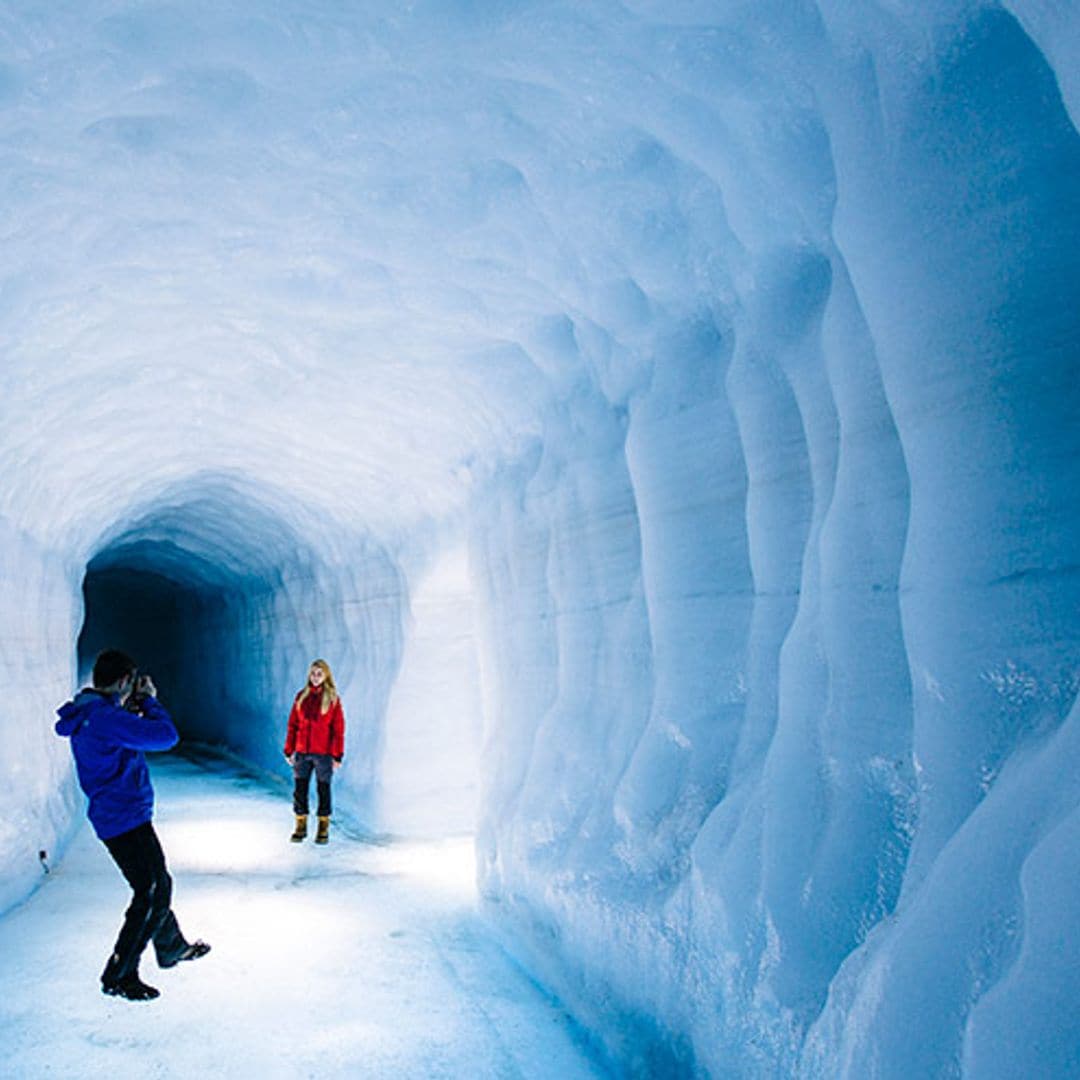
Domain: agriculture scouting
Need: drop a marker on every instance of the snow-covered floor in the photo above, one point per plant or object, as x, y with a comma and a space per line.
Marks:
354, 959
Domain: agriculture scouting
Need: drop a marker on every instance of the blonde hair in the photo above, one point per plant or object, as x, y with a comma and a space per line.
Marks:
329, 688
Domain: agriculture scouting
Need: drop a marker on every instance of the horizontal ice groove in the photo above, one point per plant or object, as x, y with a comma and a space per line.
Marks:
664, 420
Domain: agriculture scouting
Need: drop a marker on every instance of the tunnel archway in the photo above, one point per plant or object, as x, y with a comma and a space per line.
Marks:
214, 590
224, 593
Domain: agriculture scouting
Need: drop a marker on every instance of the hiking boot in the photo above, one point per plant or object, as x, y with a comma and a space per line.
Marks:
132, 988
301, 829
323, 834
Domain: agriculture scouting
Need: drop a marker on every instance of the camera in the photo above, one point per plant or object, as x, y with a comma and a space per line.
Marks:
142, 686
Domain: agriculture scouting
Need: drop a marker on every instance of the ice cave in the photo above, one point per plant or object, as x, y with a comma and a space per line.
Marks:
665, 417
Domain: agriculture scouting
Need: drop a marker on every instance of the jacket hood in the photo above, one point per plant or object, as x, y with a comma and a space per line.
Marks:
73, 713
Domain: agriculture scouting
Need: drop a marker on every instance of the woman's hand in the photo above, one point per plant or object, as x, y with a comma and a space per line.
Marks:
289, 758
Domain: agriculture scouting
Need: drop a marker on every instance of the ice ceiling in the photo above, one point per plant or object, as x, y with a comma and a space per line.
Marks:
664, 418
354, 253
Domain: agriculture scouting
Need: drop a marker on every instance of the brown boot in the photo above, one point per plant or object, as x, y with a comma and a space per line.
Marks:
301, 829
323, 834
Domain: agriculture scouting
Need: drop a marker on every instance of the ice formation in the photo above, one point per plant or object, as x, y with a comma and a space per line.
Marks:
664, 419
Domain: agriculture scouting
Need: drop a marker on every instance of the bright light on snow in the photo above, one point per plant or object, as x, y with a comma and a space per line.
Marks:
350, 960
220, 844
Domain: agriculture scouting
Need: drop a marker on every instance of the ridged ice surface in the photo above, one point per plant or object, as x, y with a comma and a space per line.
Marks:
737, 343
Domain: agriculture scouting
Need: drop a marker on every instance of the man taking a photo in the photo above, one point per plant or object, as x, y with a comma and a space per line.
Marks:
110, 725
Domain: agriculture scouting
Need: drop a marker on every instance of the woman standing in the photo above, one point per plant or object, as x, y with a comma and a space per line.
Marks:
315, 741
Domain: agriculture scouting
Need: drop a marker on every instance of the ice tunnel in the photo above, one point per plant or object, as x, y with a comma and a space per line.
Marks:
664, 417
200, 591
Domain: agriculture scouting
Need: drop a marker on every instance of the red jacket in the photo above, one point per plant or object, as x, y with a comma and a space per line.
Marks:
312, 731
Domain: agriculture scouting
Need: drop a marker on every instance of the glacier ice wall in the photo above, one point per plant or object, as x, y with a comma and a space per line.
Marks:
737, 345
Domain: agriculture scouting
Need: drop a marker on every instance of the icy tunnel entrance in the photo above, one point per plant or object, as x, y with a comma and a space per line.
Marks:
225, 596
221, 599
167, 617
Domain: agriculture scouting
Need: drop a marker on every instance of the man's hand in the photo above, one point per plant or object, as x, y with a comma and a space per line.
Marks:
145, 687
289, 758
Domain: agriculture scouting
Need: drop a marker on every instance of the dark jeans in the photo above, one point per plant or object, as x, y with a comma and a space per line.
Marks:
303, 764
149, 917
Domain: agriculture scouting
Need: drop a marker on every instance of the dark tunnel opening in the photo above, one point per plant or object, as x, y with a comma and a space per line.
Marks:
170, 622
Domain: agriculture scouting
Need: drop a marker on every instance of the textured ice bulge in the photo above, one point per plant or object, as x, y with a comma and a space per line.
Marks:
663, 417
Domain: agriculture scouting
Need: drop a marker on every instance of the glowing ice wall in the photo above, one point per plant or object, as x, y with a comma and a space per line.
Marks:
426, 776
787, 630
37, 799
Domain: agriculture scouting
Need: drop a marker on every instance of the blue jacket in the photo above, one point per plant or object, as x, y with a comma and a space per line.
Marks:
108, 744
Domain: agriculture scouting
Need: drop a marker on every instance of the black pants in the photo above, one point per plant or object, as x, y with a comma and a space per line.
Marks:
303, 764
149, 917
